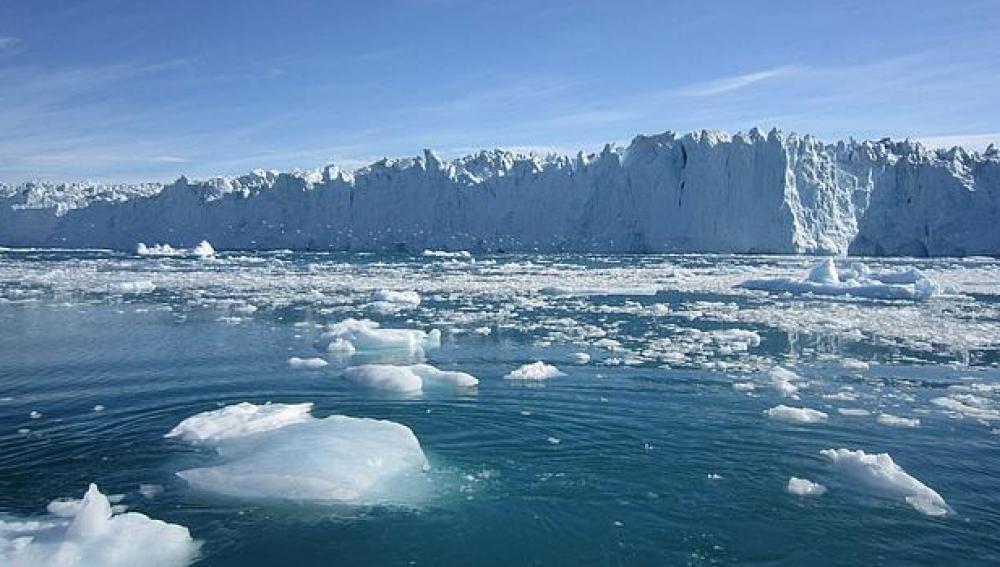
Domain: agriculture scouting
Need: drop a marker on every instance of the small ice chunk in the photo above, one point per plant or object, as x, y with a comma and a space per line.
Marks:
714, 476
895, 421
744, 386
797, 415
825, 272
854, 365
92, 532
554, 440
239, 420
534, 371
400, 298
35, 414
783, 380
579, 358
99, 408
855, 412
365, 335
307, 363
407, 379
132, 287
968, 405
204, 249
804, 487
881, 473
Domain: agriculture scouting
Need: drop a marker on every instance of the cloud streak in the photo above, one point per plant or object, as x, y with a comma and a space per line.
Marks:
736, 82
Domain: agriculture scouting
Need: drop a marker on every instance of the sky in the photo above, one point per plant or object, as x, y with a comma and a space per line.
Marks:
120, 90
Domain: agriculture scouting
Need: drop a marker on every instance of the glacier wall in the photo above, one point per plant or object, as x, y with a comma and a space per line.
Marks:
700, 192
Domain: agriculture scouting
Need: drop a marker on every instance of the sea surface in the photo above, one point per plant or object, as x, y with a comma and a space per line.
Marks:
658, 451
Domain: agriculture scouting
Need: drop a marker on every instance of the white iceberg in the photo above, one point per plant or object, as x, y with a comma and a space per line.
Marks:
407, 379
336, 459
204, 249
783, 380
805, 487
896, 421
88, 533
824, 279
797, 415
534, 371
365, 335
307, 363
881, 473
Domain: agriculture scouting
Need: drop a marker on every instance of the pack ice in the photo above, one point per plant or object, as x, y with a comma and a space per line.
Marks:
706, 191
88, 532
280, 451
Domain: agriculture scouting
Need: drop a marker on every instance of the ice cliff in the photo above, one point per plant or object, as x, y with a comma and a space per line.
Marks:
700, 192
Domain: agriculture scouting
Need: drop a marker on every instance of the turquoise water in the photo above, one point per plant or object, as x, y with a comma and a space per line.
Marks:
627, 460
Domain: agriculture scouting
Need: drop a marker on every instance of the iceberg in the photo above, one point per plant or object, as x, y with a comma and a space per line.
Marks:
280, 451
88, 532
805, 487
534, 371
358, 335
881, 473
204, 249
796, 415
704, 191
407, 379
824, 279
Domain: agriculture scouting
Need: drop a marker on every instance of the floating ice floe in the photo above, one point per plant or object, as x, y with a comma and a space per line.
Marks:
880, 472
407, 379
88, 533
579, 358
783, 380
457, 255
854, 412
896, 421
797, 415
131, 287
307, 363
805, 487
534, 371
204, 249
358, 335
281, 452
968, 405
390, 301
824, 279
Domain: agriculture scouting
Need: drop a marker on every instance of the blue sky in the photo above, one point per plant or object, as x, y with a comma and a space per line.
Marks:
122, 90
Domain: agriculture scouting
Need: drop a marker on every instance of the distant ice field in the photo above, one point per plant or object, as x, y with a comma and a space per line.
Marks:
457, 409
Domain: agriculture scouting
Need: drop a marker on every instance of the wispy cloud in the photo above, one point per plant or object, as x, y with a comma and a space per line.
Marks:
736, 82
8, 42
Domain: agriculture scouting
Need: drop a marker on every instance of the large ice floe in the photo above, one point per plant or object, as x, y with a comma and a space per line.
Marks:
89, 533
825, 279
280, 451
705, 191
408, 379
880, 473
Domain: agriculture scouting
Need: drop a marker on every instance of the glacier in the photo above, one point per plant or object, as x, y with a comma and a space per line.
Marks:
705, 191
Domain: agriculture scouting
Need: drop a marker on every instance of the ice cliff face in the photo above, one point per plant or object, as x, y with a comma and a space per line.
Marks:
701, 192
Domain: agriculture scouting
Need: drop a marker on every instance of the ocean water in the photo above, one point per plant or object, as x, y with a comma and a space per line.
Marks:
656, 452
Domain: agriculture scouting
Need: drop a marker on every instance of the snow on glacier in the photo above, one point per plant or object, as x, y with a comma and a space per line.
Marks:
279, 451
701, 192
90, 532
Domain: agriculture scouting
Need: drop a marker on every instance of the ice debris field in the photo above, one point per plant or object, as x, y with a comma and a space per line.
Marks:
259, 408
